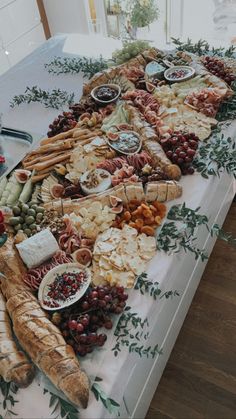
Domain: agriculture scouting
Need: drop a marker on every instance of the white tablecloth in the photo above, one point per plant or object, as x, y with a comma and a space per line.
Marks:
164, 269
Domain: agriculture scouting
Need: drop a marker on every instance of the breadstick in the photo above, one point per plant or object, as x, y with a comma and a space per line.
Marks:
61, 136
66, 144
50, 162
37, 178
40, 159
52, 167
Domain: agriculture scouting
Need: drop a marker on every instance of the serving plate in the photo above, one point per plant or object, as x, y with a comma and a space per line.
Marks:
101, 187
51, 276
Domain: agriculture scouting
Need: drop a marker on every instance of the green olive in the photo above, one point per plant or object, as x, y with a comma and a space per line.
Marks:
16, 210
40, 209
34, 206
32, 203
27, 231
21, 219
14, 221
24, 226
18, 227
25, 208
32, 212
29, 220
39, 217
32, 226
34, 231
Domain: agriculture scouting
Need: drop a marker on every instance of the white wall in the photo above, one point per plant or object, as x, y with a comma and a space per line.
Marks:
66, 16
21, 31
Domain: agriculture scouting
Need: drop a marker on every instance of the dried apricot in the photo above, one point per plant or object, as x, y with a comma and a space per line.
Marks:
127, 216
148, 230
139, 223
149, 221
132, 224
145, 206
147, 213
158, 219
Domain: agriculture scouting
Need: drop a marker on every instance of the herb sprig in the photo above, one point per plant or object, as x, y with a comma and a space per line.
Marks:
67, 65
172, 238
127, 337
152, 288
55, 98
65, 409
111, 405
227, 109
227, 237
202, 47
8, 391
217, 155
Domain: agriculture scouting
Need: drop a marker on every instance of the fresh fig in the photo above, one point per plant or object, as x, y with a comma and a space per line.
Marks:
118, 209
57, 190
150, 87
83, 256
112, 136
22, 175
114, 201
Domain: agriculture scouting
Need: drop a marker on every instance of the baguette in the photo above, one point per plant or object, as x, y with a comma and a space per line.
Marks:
44, 343
14, 366
160, 159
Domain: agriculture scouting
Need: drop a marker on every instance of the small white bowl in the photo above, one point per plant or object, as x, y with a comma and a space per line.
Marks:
103, 185
170, 70
126, 153
51, 276
106, 102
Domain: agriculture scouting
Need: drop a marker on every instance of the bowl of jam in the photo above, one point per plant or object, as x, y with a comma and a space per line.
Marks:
106, 93
179, 73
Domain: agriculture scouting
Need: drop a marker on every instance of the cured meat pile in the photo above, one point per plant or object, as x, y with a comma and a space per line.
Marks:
133, 73
206, 101
34, 276
69, 240
146, 103
137, 161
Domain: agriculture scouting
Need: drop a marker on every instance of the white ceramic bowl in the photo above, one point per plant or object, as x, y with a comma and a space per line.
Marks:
103, 185
106, 102
50, 277
170, 70
126, 153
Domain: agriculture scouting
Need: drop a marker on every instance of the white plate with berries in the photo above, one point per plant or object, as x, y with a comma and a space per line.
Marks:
63, 286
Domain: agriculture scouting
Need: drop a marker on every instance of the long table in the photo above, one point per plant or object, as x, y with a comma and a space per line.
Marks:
127, 378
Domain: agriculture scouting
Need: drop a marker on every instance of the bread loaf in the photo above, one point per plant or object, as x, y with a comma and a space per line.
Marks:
44, 343
14, 366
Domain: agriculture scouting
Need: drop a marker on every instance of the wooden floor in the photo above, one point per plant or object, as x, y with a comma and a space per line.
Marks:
199, 380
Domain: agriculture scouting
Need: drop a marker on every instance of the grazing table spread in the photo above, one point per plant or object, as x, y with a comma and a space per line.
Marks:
109, 222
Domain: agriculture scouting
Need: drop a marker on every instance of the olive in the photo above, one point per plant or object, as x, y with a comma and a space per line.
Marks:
14, 221
32, 203
16, 210
21, 219
29, 220
18, 227
40, 209
32, 212
25, 208
32, 226
39, 217
27, 231
34, 206
24, 226
34, 231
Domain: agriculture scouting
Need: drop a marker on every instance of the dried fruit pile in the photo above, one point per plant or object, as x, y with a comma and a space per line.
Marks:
144, 217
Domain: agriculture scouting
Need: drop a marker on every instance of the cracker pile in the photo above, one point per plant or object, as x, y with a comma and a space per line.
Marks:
120, 255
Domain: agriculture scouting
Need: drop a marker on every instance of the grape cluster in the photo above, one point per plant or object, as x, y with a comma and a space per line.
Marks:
217, 67
62, 123
80, 323
181, 148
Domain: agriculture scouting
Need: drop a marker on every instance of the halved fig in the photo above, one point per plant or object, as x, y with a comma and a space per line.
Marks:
84, 115
114, 201
22, 175
125, 127
112, 136
118, 209
83, 256
150, 87
57, 190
